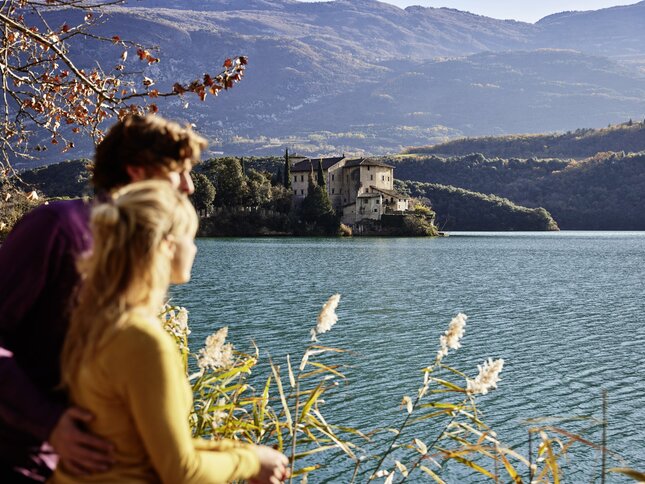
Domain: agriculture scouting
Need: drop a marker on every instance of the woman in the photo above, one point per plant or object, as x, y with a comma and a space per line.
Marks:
119, 364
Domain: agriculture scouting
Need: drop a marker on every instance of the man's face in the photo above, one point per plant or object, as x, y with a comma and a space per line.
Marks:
180, 178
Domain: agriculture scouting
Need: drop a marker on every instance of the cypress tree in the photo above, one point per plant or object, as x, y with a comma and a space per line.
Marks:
317, 209
243, 166
321, 175
287, 170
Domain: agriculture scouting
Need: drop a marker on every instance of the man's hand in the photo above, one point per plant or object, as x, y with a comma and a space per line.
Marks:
80, 451
273, 466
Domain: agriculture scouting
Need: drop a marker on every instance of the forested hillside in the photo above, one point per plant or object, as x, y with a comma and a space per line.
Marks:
459, 209
581, 143
604, 192
67, 179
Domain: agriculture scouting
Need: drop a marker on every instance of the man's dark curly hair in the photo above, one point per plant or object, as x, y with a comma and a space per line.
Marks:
150, 142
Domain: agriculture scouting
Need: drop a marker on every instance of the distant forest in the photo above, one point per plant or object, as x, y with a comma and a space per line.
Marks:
459, 209
604, 192
581, 143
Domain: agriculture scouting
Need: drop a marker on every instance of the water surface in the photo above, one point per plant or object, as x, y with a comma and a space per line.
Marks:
564, 310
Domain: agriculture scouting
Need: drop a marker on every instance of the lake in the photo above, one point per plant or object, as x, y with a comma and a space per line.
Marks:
564, 310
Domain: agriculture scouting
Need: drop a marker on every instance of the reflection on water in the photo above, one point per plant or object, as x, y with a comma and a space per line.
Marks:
563, 309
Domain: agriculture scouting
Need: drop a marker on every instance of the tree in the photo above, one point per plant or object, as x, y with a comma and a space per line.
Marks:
321, 176
45, 90
317, 208
204, 193
13, 207
287, 170
258, 189
281, 199
230, 183
278, 178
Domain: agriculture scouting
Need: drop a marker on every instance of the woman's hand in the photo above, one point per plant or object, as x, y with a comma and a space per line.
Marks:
273, 466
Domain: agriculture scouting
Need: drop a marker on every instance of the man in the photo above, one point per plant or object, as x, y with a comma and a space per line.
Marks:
37, 283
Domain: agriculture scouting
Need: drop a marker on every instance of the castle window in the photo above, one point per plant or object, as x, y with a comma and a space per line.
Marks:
295, 192
302, 192
302, 178
332, 178
371, 177
368, 168
382, 177
295, 178
376, 209
332, 191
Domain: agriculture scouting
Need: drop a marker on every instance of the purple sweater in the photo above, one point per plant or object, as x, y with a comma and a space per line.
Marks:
37, 281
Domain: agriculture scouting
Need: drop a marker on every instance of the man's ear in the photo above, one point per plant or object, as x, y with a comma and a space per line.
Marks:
136, 173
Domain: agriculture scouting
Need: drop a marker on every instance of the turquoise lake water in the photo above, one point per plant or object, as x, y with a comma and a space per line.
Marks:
565, 311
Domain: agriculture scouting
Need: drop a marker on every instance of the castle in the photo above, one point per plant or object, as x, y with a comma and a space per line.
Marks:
359, 188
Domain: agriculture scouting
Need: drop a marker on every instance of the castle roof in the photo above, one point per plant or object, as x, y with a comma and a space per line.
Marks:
366, 162
369, 195
390, 193
308, 164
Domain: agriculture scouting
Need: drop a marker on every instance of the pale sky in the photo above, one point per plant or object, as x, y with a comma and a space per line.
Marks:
524, 10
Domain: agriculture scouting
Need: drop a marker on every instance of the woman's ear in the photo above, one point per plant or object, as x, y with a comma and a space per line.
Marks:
168, 246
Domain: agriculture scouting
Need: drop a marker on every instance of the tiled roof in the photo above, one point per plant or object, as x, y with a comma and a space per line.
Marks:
390, 193
306, 165
366, 162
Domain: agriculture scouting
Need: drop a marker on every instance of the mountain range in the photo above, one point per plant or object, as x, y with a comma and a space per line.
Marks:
366, 77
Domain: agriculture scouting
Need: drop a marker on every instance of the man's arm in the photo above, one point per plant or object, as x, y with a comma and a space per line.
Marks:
24, 260
37, 246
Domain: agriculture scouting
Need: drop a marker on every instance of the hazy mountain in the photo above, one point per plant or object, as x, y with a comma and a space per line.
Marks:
581, 143
616, 32
367, 77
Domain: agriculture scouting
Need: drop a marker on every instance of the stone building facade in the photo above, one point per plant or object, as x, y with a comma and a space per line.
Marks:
359, 188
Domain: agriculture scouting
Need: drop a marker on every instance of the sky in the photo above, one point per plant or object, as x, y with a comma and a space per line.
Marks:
524, 10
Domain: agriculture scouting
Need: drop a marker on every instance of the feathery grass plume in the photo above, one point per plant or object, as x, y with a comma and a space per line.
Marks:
175, 320
450, 339
216, 353
327, 317
182, 319
407, 402
487, 378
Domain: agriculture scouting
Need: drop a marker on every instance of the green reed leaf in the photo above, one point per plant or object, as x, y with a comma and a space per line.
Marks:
454, 370
448, 384
432, 474
313, 397
283, 399
633, 473
328, 369
510, 469
430, 415
472, 465
305, 470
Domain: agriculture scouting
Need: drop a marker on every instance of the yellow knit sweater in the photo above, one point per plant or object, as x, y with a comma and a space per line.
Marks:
138, 393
